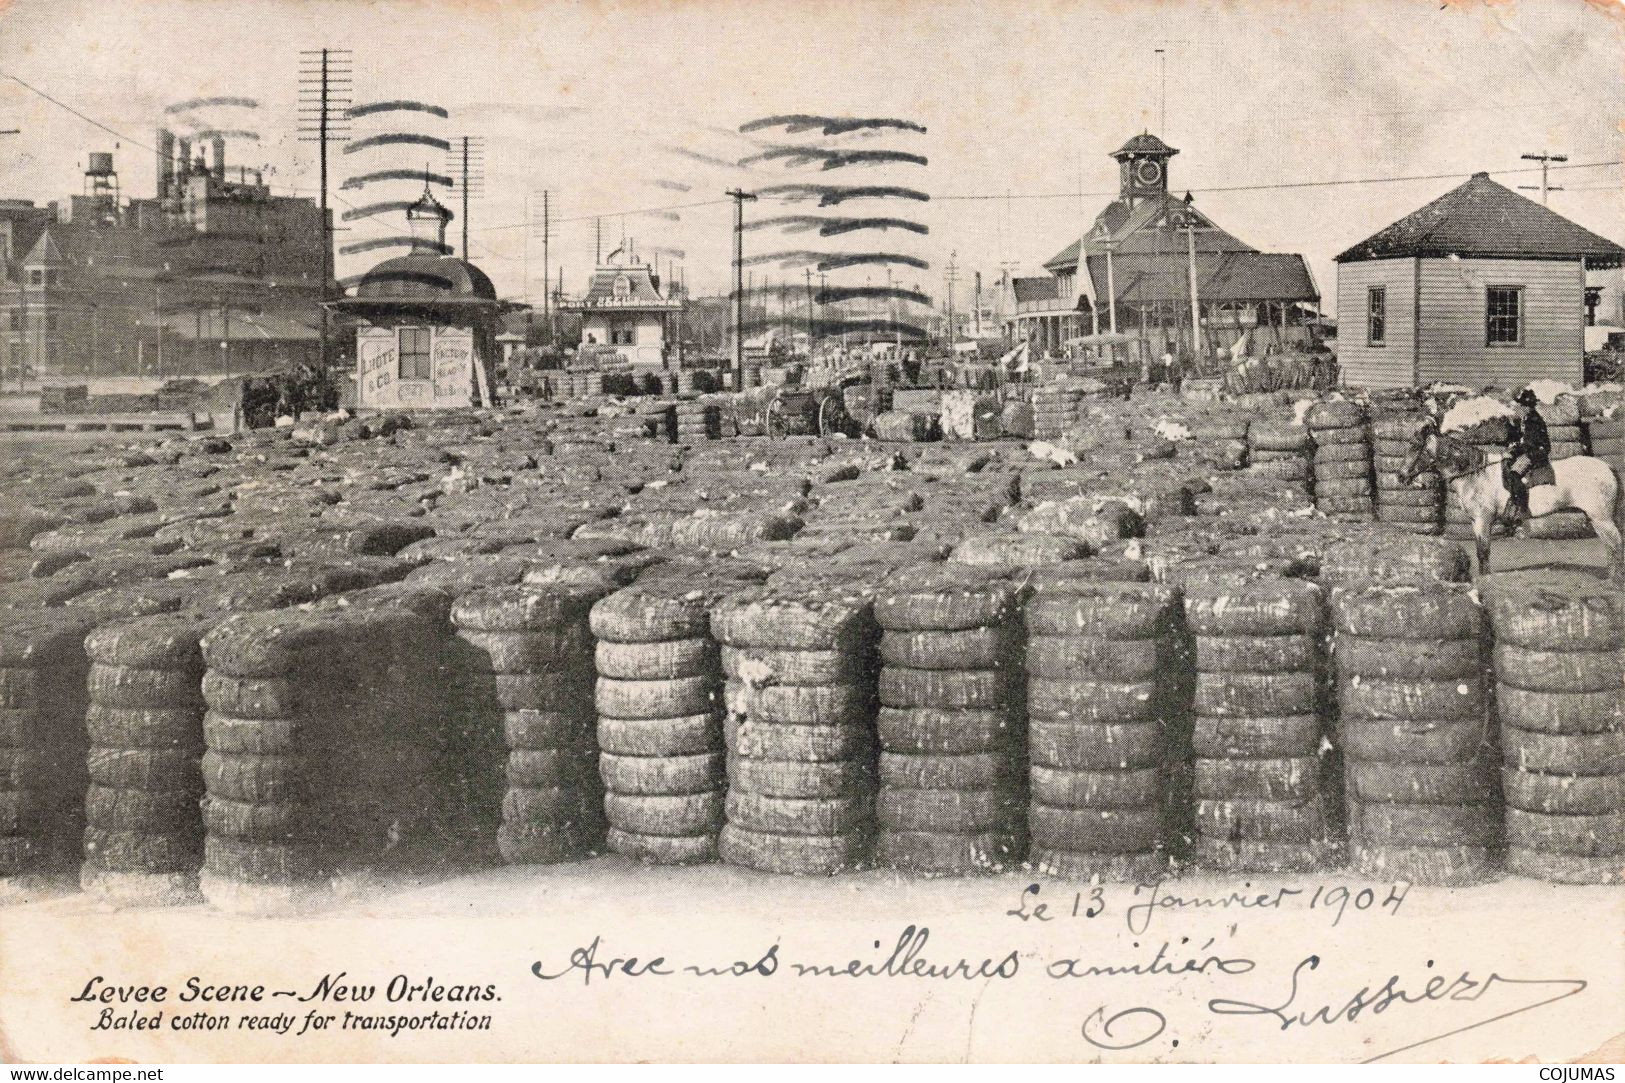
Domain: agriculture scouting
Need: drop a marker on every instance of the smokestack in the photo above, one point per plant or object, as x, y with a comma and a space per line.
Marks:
219, 158
166, 161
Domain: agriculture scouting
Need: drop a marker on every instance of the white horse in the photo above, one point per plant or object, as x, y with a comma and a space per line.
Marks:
1474, 478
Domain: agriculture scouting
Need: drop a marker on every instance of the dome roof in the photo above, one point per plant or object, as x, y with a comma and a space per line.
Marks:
1144, 143
425, 277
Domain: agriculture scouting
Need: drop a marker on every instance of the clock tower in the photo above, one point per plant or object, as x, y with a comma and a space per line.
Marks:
1142, 165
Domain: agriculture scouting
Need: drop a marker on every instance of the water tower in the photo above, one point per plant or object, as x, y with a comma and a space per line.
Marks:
101, 179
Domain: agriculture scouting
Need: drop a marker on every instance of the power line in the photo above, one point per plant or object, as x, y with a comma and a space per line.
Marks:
64, 105
1275, 187
1074, 194
609, 214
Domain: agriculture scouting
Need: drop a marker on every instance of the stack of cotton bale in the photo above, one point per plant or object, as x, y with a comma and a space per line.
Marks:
42, 746
1419, 754
537, 645
1558, 668
144, 834
800, 724
952, 650
1260, 802
1343, 487
1101, 692
1417, 506
1283, 451
659, 696
300, 772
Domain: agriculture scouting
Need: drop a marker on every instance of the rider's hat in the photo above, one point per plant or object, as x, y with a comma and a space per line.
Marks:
1526, 397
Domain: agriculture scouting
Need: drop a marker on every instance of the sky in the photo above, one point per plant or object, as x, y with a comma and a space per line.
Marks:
616, 108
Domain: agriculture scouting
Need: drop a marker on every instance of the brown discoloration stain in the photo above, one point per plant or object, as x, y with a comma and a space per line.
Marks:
1614, 9
1610, 1052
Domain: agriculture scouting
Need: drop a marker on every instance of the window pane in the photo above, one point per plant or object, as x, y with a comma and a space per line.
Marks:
1376, 315
414, 359
1504, 315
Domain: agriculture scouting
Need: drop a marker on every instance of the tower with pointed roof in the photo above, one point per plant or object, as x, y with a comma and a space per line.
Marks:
1142, 165
426, 221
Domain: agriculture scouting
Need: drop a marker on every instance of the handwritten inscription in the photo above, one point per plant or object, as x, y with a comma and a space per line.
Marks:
1104, 1025
1150, 900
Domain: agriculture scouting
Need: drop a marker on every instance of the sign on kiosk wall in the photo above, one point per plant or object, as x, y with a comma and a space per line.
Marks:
379, 385
453, 366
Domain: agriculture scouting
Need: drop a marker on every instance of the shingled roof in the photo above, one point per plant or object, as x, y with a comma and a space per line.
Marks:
1486, 220
1145, 143
1144, 231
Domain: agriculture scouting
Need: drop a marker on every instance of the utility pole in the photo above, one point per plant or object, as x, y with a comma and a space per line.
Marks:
1162, 99
547, 282
951, 277
325, 86
598, 242
1105, 238
1544, 160
467, 159
809, 314
1187, 221
546, 235
739, 197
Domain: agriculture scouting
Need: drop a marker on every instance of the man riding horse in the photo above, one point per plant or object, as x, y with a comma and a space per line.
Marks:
1486, 484
1529, 456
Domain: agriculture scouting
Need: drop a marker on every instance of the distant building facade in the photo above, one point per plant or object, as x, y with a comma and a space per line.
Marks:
625, 310
1139, 251
212, 274
1482, 286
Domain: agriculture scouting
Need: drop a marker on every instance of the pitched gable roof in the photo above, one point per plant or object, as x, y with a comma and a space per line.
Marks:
1144, 232
1483, 219
45, 252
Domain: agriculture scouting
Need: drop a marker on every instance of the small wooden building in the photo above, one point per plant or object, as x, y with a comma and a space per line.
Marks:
427, 324
1480, 287
624, 309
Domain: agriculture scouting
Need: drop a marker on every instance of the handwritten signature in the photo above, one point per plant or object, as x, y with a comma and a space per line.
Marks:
1132, 1027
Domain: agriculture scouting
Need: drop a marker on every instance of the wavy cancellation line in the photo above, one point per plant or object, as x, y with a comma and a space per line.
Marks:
389, 139
830, 327
836, 261
836, 294
833, 227
827, 158
202, 103
395, 106
796, 123
829, 195
226, 133
416, 175
402, 241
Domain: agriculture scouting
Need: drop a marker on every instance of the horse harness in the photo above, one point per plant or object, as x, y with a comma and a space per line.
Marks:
1459, 456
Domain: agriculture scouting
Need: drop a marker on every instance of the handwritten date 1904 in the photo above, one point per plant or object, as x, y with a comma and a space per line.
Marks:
1148, 900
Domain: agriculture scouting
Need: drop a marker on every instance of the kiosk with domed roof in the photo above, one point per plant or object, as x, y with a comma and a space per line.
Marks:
428, 323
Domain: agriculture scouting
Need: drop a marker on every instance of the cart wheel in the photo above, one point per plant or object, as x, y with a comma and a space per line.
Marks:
823, 416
